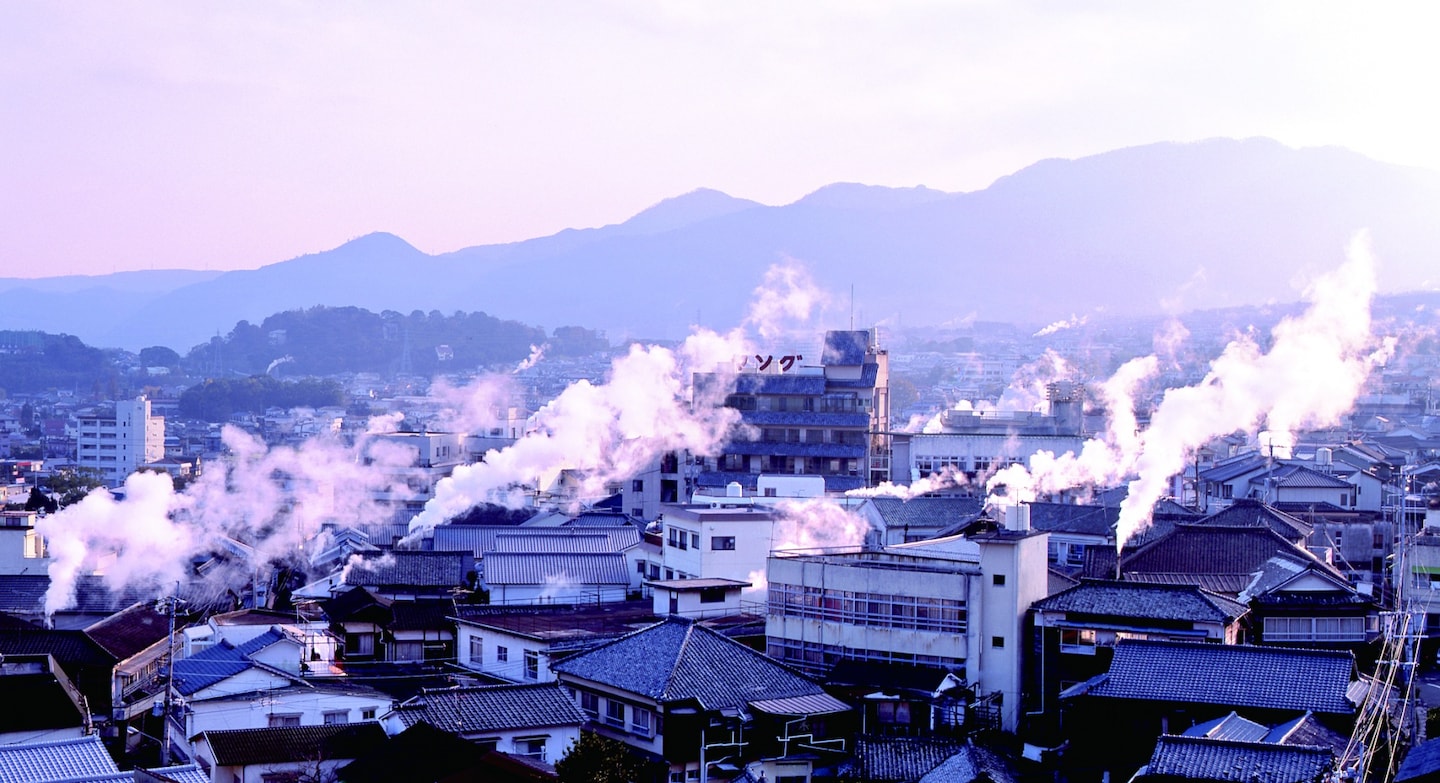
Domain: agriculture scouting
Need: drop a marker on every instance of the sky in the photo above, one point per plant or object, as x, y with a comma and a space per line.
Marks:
208, 135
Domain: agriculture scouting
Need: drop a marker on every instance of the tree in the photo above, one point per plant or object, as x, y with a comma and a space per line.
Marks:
39, 501
72, 485
597, 759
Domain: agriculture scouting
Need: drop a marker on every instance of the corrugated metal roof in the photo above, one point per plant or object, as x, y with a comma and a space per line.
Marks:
810, 704
524, 568
481, 539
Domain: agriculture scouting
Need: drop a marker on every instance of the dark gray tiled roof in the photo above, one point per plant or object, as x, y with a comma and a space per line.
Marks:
422, 615
492, 708
1231, 727
1233, 468
1232, 675
1144, 601
129, 631
1422, 760
677, 660
523, 568
1204, 759
1301, 477
439, 569
236, 747
924, 512
1253, 513
1192, 549
907, 759
1074, 518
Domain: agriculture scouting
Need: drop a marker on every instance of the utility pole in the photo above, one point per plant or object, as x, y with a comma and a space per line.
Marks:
170, 606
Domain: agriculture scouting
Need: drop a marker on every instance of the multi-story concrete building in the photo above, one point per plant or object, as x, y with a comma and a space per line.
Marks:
827, 419
957, 605
116, 440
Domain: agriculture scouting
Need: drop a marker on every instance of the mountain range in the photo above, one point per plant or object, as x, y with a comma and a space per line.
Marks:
1139, 231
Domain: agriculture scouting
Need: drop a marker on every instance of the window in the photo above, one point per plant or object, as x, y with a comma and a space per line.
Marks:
281, 721
615, 713
1314, 629
532, 747
722, 543
640, 721
640, 567
367, 713
1080, 641
694, 540
998, 580
477, 650
712, 595
532, 665
502, 654
998, 642
590, 703
333, 717
638, 485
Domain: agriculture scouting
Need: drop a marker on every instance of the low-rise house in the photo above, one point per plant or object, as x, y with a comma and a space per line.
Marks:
707, 705
1160, 687
1203, 759
410, 574
40, 702
538, 721
521, 644
1079, 627
556, 577
310, 703
899, 521
374, 627
283, 754
697, 598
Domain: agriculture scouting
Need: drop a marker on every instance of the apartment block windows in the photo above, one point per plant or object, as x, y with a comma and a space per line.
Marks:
722, 543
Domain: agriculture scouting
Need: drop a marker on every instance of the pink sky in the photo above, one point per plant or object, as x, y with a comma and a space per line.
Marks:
231, 135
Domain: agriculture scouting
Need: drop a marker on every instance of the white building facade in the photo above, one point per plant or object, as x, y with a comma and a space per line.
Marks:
115, 442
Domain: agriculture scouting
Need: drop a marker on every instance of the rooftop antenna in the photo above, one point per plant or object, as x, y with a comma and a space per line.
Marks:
852, 307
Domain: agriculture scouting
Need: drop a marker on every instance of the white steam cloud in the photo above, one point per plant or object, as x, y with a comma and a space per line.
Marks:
1310, 376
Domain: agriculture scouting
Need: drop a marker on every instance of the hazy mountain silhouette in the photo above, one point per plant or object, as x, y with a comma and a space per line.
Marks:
1163, 227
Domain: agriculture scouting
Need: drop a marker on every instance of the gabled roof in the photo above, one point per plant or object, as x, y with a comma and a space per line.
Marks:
1232, 727
678, 660
1302, 477
410, 568
221, 662
358, 604
1139, 600
1253, 513
468, 710
593, 568
1234, 468
1277, 678
130, 630
1074, 518
236, 747
1204, 759
1218, 558
58, 760
926, 512
902, 759
423, 615
1270, 581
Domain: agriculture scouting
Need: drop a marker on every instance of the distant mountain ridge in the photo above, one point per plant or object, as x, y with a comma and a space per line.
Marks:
1158, 228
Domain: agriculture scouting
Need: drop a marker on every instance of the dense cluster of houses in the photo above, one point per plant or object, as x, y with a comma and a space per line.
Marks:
1266, 625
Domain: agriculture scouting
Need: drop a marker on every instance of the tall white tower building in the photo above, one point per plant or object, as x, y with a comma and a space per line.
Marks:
115, 441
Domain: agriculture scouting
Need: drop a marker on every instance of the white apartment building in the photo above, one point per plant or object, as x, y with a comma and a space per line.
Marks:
115, 441
950, 604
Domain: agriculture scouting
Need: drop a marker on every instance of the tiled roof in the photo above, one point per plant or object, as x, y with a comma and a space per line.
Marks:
408, 568
1210, 549
469, 710
515, 568
218, 663
423, 615
924, 512
1279, 571
1074, 518
1253, 513
358, 603
182, 773
903, 759
481, 539
1307, 730
677, 660
130, 631
1422, 760
805, 418
1301, 477
1233, 675
235, 747
1204, 759
1233, 468
59, 760
1144, 601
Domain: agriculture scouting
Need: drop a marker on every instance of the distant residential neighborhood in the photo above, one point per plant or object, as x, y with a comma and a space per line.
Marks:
834, 590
